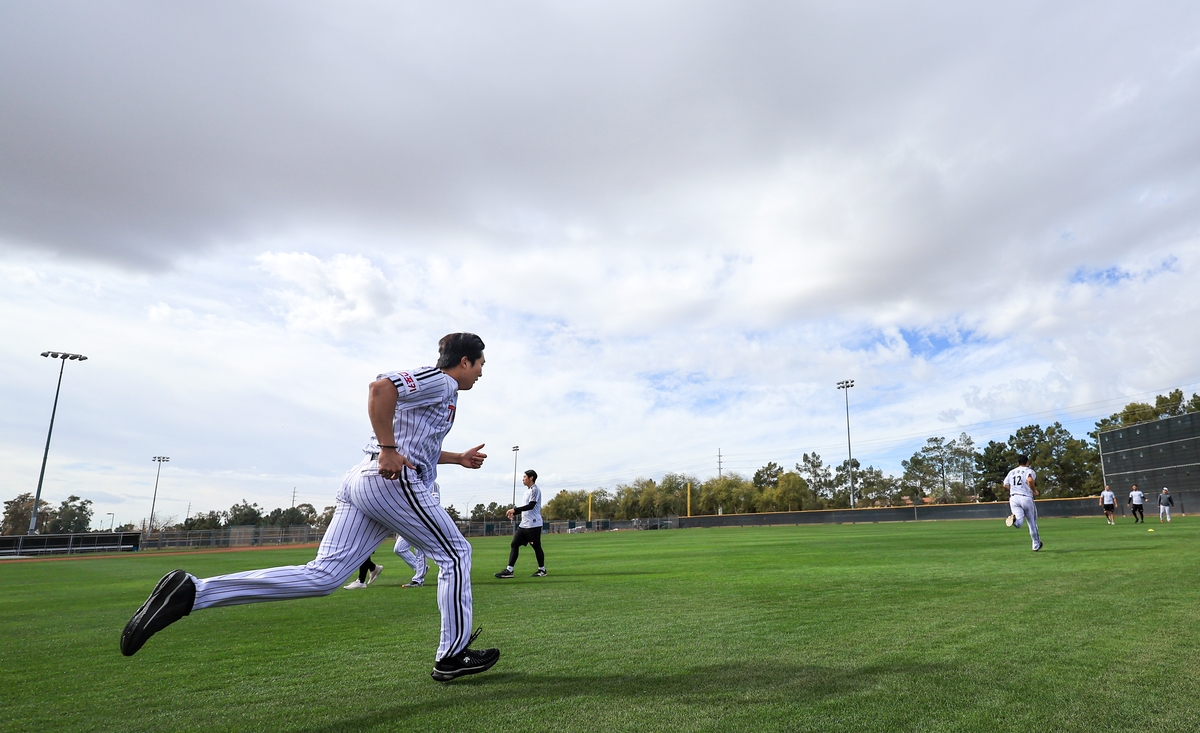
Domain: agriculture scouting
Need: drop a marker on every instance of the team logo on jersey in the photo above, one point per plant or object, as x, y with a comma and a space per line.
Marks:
450, 417
409, 382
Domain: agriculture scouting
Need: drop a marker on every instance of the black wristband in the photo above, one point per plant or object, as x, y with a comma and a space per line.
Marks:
389, 446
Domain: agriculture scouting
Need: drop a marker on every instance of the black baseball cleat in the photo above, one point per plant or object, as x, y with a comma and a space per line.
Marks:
504, 574
171, 600
468, 661
1039, 547
1010, 521
541, 573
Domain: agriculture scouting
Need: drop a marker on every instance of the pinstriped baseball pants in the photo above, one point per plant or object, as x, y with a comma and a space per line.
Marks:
368, 509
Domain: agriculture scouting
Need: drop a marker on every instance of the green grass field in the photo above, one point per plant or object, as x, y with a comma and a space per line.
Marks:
932, 626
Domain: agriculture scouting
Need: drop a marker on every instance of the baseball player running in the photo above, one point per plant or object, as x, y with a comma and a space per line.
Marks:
1108, 500
1136, 502
1020, 483
389, 491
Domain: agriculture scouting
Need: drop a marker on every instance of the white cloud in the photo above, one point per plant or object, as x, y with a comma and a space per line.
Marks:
344, 292
675, 229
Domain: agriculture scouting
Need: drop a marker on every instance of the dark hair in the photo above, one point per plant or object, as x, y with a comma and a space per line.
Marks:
531, 474
1022, 459
454, 346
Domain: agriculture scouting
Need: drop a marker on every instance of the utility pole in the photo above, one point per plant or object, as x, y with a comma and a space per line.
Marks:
718, 463
846, 384
159, 460
293, 497
37, 499
188, 513
516, 452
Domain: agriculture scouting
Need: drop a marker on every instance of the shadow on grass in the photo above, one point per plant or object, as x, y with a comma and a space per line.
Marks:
725, 684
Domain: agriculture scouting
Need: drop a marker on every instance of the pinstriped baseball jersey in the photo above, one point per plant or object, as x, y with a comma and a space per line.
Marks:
425, 403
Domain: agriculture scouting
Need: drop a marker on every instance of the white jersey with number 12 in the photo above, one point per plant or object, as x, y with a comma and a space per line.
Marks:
1018, 481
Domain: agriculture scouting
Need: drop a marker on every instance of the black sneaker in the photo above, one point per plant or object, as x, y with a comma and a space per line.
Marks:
171, 600
468, 661
541, 573
504, 574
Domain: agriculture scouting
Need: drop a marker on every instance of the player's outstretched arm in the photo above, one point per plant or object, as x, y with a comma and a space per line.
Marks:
472, 458
381, 409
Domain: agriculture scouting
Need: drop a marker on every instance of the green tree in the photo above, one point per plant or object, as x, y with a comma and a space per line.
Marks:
963, 463
719, 495
210, 520
290, 517
938, 460
793, 494
324, 518
567, 505
919, 477
841, 485
18, 511
674, 491
73, 515
876, 488
816, 474
767, 476
992, 465
243, 514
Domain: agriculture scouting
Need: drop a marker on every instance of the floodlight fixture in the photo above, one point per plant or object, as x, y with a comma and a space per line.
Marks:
46, 454
846, 384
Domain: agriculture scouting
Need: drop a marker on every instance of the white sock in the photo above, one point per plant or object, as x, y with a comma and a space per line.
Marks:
509, 569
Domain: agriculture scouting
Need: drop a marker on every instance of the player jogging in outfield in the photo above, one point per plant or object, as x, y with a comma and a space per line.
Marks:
367, 573
1136, 504
1020, 483
529, 531
1108, 500
1165, 502
410, 413
411, 554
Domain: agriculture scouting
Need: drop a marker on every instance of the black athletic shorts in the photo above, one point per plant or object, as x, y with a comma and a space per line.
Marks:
1110, 507
527, 536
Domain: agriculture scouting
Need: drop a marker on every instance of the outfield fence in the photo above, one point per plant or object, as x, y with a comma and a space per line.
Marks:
505, 527
236, 536
68, 544
251, 536
1075, 507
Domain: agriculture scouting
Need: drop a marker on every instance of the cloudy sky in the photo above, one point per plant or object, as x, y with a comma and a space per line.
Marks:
676, 226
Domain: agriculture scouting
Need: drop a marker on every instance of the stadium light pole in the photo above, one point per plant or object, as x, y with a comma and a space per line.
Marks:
65, 357
114, 521
846, 384
159, 460
516, 452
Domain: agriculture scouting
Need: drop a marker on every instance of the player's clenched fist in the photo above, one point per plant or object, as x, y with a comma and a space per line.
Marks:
391, 462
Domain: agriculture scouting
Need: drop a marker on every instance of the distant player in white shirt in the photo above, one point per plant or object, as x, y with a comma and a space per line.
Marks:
1108, 500
529, 531
1020, 483
1137, 502
389, 491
